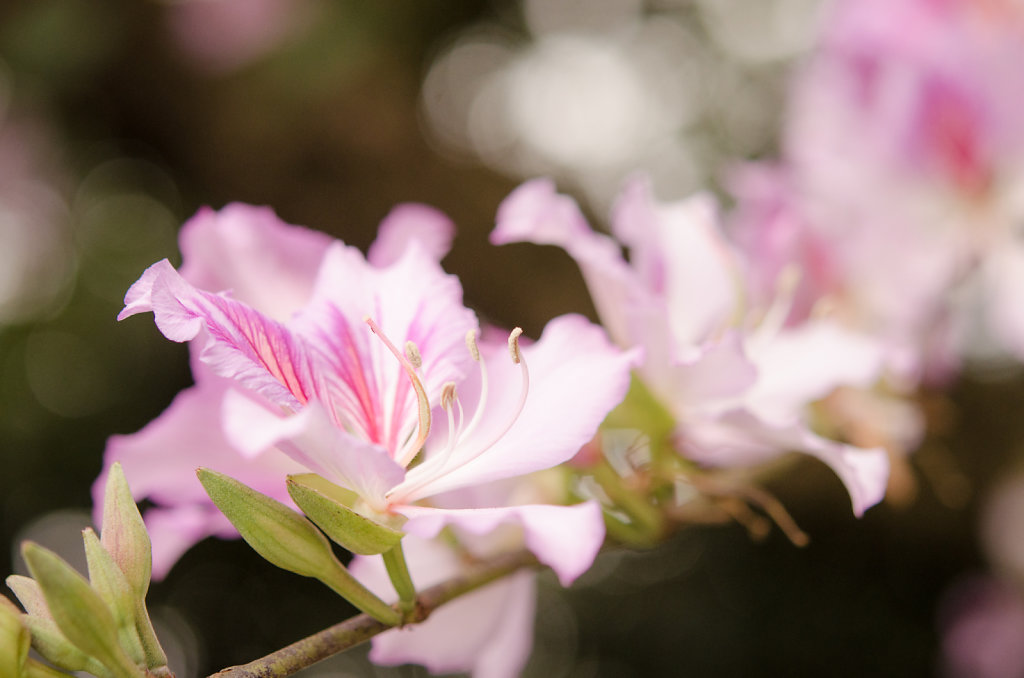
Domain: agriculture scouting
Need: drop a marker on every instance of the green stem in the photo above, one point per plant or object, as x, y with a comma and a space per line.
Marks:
361, 628
394, 561
349, 588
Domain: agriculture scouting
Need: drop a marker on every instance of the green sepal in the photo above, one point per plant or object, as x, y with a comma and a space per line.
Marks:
289, 541
107, 579
123, 533
352, 530
14, 640
78, 610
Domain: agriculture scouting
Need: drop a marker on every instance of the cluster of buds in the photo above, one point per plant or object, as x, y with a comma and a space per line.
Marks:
100, 625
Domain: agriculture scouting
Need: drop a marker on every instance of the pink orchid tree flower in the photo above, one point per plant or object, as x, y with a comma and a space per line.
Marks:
738, 380
901, 151
329, 387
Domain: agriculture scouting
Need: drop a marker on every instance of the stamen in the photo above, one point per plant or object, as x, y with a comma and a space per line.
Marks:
474, 350
409, 451
513, 345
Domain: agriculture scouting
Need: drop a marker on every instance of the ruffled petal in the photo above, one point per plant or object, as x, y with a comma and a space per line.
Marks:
576, 378
242, 343
262, 261
565, 538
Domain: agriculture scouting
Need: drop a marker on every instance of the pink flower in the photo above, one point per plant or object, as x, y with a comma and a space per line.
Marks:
345, 402
737, 379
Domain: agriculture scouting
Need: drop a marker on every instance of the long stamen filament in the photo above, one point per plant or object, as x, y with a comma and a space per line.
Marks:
405, 456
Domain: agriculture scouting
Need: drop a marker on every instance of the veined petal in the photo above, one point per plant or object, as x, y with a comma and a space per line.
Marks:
242, 343
577, 377
739, 438
565, 538
311, 439
262, 261
431, 228
413, 300
488, 632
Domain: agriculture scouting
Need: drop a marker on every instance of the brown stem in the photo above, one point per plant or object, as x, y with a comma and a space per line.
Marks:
361, 628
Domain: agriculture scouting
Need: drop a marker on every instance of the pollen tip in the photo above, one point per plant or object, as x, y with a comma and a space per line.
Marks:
513, 345
474, 350
412, 352
448, 394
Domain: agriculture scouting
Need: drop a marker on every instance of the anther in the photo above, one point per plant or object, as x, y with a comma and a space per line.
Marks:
474, 350
412, 352
448, 395
513, 345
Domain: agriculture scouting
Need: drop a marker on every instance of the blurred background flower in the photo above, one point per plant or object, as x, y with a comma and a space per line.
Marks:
119, 119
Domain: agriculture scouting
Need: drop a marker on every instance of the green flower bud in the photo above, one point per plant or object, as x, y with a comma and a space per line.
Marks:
352, 530
288, 540
14, 640
109, 581
123, 533
78, 610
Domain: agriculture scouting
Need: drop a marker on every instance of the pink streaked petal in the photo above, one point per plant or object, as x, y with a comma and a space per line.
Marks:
262, 261
488, 632
311, 439
576, 378
535, 212
805, 363
242, 343
413, 300
680, 253
565, 538
411, 222
739, 438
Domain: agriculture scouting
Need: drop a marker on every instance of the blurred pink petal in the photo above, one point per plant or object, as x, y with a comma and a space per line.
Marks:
488, 632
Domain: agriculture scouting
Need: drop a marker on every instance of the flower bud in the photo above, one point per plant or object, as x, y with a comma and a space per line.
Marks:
123, 533
78, 610
352, 530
